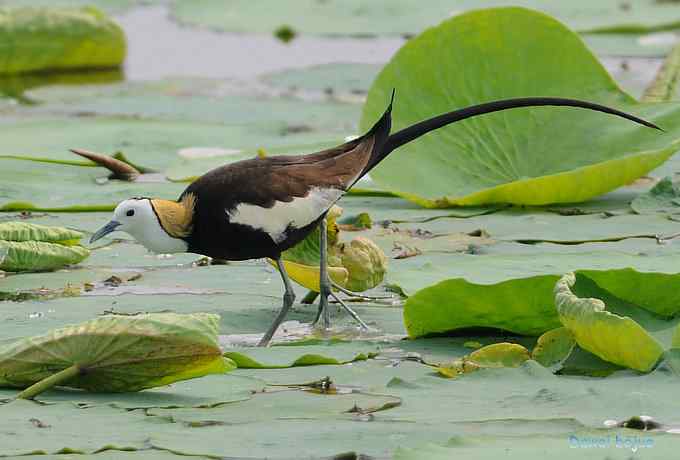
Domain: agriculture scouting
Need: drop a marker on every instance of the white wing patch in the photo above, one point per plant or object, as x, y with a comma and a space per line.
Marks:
297, 213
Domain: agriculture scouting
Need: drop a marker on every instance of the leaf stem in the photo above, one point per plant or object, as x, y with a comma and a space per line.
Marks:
49, 382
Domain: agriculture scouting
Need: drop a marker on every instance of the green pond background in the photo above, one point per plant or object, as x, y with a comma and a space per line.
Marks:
211, 74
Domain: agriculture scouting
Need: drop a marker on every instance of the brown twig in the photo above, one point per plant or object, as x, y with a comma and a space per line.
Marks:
119, 170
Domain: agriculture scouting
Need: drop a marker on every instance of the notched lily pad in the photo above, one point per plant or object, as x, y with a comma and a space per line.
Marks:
116, 354
528, 156
31, 247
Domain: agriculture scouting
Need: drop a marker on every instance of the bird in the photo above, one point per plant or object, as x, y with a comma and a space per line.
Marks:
260, 207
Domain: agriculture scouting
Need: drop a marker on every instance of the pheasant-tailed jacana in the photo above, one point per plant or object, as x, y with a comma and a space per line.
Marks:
260, 207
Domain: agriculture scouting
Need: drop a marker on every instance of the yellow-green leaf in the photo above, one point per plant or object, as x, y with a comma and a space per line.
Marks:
617, 339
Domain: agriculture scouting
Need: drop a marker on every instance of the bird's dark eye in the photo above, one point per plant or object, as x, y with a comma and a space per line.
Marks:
130, 213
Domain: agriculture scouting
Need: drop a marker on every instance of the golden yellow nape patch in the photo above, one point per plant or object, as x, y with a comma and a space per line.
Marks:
176, 218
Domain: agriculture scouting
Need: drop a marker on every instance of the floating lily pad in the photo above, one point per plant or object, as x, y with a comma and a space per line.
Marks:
526, 156
41, 39
105, 353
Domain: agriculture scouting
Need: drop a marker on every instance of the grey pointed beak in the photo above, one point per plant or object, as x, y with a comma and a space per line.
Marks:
105, 230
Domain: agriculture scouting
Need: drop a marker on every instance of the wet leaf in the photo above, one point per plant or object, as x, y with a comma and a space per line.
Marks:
601, 322
31, 247
118, 353
82, 38
533, 156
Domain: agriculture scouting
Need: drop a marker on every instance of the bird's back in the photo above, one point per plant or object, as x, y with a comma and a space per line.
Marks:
262, 206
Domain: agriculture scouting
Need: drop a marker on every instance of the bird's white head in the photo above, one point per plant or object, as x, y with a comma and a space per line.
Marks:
159, 225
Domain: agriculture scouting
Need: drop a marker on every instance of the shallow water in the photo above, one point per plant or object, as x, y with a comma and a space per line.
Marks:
159, 47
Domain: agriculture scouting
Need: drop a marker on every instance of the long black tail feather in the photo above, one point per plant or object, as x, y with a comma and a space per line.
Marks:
413, 132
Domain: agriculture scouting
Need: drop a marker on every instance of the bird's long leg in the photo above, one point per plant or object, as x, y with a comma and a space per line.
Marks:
288, 299
359, 295
324, 281
325, 285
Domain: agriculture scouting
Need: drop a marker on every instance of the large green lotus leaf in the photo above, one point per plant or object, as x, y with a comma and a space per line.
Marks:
356, 17
527, 305
612, 328
41, 39
523, 306
119, 353
528, 156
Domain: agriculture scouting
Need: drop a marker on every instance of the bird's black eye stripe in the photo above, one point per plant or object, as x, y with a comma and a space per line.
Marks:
130, 213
